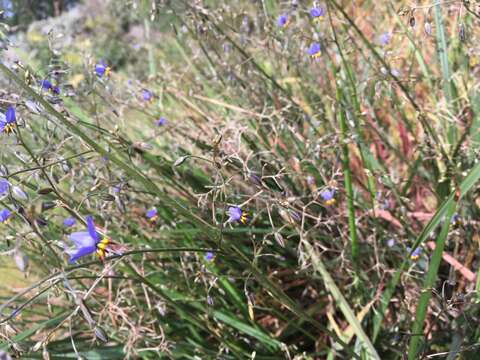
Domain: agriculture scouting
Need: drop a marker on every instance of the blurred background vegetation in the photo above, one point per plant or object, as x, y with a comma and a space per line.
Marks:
386, 119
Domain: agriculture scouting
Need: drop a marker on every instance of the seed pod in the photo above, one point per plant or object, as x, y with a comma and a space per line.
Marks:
100, 334
107, 197
411, 21
47, 205
461, 33
44, 191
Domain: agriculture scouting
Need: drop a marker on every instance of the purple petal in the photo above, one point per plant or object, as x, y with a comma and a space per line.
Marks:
327, 194
70, 221
235, 213
79, 252
314, 49
100, 69
10, 114
282, 20
91, 229
4, 184
384, 38
317, 12
151, 213
82, 239
4, 214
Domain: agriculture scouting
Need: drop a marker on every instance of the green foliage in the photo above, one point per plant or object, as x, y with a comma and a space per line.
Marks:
249, 123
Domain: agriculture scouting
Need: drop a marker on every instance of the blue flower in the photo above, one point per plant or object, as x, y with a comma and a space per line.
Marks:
147, 95
161, 121
87, 242
69, 221
151, 214
314, 51
47, 86
4, 186
7, 122
209, 256
415, 254
317, 13
236, 214
4, 215
384, 38
328, 197
282, 20
102, 69
455, 220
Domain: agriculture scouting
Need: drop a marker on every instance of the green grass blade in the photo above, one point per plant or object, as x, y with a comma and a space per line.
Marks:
341, 302
417, 327
443, 59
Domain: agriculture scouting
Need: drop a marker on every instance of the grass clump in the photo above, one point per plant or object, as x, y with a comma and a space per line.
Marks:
265, 181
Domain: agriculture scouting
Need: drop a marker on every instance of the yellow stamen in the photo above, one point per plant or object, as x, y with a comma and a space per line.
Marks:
8, 129
244, 218
330, 202
316, 55
107, 70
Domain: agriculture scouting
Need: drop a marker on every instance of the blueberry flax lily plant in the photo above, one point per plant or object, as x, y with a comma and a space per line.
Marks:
4, 215
317, 13
4, 187
151, 215
328, 197
8, 120
89, 242
314, 51
283, 21
102, 69
147, 95
415, 255
46, 85
237, 215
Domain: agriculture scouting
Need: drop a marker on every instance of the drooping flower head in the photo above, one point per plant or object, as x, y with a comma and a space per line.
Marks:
237, 215
147, 95
317, 13
151, 214
384, 38
87, 242
160, 122
209, 256
283, 21
415, 254
314, 51
48, 86
328, 196
7, 122
4, 215
101, 69
69, 222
